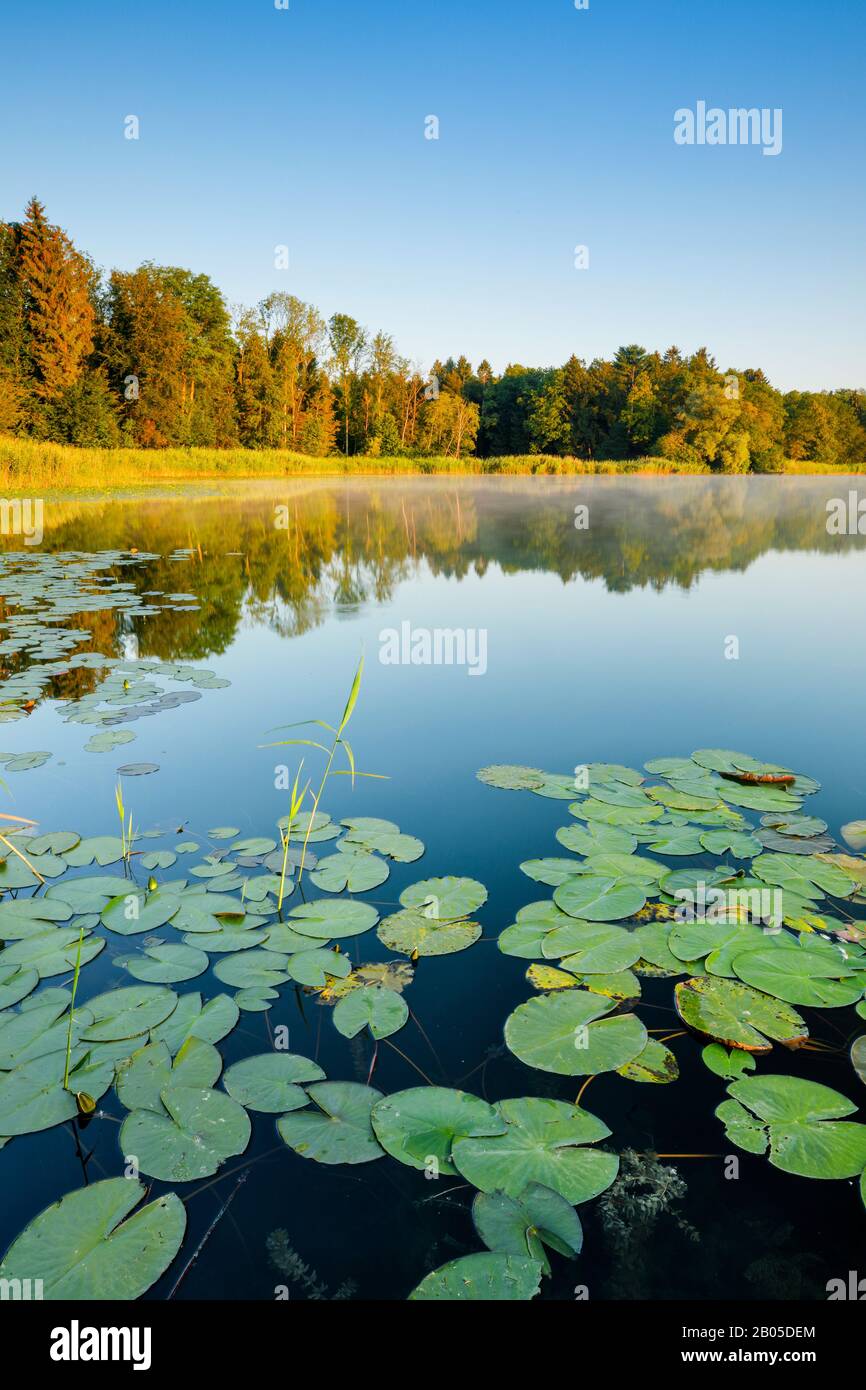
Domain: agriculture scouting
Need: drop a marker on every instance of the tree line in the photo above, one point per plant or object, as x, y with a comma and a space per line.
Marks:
155, 357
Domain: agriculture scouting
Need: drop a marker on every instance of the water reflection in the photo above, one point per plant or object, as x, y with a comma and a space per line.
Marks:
287, 557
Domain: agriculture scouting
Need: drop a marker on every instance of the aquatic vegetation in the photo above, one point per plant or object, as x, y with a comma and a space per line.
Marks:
289, 1263
620, 911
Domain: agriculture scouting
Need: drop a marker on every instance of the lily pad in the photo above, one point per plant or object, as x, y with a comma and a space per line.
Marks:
486, 1278
445, 899
336, 1128
81, 1248
543, 1142
737, 1015
411, 932
272, 1082
420, 1126
804, 1126
199, 1131
127, 1013
355, 873
326, 919
567, 1033
599, 899
166, 964
381, 1010
524, 1225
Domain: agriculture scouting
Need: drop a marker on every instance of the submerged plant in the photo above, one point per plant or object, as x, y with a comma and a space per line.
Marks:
286, 1259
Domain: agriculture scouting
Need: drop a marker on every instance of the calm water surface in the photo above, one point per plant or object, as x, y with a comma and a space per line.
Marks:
603, 644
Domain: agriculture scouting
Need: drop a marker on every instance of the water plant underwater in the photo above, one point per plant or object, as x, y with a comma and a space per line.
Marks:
621, 909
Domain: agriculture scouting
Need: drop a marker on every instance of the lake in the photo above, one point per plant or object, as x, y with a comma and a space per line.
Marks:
668, 616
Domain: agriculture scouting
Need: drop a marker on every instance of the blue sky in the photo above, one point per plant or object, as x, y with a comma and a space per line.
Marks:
305, 127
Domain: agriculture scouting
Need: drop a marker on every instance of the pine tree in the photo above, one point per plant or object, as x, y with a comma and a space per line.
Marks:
57, 282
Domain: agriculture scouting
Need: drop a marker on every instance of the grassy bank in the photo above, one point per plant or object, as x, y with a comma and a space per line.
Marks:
27, 465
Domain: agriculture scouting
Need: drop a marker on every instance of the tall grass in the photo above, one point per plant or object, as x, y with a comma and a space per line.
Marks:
27, 465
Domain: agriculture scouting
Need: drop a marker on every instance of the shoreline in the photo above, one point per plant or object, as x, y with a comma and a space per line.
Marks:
27, 464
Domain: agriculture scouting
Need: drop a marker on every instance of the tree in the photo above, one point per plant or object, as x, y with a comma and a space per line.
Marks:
57, 285
347, 341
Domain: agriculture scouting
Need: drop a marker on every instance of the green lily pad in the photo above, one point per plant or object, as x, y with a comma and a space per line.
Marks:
802, 1119
81, 1248
445, 899
127, 1013
543, 1142
511, 777
52, 952
211, 1022
253, 969
800, 975
327, 920
524, 1225
551, 871
336, 1128
567, 1033
727, 1064
486, 1278
134, 913
737, 1015
272, 1082
313, 967
143, 1077
420, 1126
656, 1064
381, 1010
199, 1131
355, 873
411, 931
599, 899
166, 964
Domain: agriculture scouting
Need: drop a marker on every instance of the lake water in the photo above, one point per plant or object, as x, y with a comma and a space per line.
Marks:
610, 643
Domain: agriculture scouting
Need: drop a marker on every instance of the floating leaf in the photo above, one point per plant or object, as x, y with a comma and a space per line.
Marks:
599, 899
410, 932
326, 919
543, 1142
336, 1128
727, 1064
655, 1064
568, 1034
381, 1010
486, 1278
524, 1225
199, 1131
272, 1081
81, 1248
802, 1120
126, 1013
799, 975
420, 1126
737, 1015
166, 964
355, 873
445, 899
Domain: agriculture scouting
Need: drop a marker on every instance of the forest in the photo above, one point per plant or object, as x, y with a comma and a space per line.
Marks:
156, 358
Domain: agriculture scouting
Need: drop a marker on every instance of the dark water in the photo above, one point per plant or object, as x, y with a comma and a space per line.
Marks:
602, 644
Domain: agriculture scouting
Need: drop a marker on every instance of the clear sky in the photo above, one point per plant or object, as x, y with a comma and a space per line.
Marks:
305, 127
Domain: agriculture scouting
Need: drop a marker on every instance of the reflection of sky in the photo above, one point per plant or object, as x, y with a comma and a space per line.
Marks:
575, 673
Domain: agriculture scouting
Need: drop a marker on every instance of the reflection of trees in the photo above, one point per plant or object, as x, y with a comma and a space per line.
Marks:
347, 545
